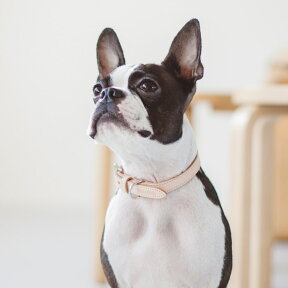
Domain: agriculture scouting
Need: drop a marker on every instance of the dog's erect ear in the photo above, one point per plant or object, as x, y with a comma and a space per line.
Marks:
109, 52
184, 55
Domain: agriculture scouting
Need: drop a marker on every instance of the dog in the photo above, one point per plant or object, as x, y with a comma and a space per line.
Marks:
164, 240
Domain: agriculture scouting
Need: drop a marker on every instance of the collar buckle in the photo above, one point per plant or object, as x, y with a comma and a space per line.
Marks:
133, 196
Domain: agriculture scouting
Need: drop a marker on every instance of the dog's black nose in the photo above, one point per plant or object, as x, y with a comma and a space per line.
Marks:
109, 94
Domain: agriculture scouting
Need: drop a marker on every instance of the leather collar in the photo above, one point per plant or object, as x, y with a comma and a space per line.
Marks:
156, 190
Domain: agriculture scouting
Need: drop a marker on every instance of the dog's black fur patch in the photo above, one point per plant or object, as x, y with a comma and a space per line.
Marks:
213, 197
227, 266
107, 268
166, 105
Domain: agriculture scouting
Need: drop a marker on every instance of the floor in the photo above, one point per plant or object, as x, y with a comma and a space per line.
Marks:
54, 248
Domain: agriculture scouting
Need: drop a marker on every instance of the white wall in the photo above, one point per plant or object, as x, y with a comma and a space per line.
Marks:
48, 67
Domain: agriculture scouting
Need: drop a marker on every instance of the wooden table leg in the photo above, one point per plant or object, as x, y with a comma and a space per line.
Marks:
103, 175
242, 124
280, 203
261, 201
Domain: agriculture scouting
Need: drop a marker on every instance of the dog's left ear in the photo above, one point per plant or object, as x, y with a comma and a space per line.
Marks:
109, 52
184, 55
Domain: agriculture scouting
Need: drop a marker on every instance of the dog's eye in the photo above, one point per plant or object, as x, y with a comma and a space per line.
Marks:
148, 85
97, 89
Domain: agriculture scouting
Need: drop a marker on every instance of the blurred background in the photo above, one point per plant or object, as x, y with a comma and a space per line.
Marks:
48, 165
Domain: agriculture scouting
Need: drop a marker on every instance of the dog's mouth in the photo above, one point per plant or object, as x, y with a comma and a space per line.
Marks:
105, 113
95, 119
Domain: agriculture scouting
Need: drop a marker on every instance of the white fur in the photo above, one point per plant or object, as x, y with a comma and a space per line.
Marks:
131, 107
175, 242
148, 159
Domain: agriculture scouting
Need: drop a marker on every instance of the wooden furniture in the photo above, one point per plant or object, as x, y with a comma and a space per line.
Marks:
278, 72
280, 204
259, 184
218, 101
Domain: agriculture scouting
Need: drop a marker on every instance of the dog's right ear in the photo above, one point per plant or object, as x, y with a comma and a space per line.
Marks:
109, 52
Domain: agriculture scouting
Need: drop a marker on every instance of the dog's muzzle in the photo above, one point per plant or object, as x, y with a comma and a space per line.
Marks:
107, 107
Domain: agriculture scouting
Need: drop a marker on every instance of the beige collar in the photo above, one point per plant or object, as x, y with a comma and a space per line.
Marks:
140, 188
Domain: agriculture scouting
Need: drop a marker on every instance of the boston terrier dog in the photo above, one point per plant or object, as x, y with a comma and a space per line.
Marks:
165, 227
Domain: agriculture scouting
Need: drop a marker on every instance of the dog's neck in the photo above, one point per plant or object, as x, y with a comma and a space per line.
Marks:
156, 162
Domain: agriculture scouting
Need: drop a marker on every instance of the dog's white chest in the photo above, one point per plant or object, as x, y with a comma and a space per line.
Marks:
175, 242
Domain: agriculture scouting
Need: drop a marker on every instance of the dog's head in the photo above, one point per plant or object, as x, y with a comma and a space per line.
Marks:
146, 100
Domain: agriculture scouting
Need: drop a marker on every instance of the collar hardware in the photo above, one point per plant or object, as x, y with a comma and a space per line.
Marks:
118, 167
131, 187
